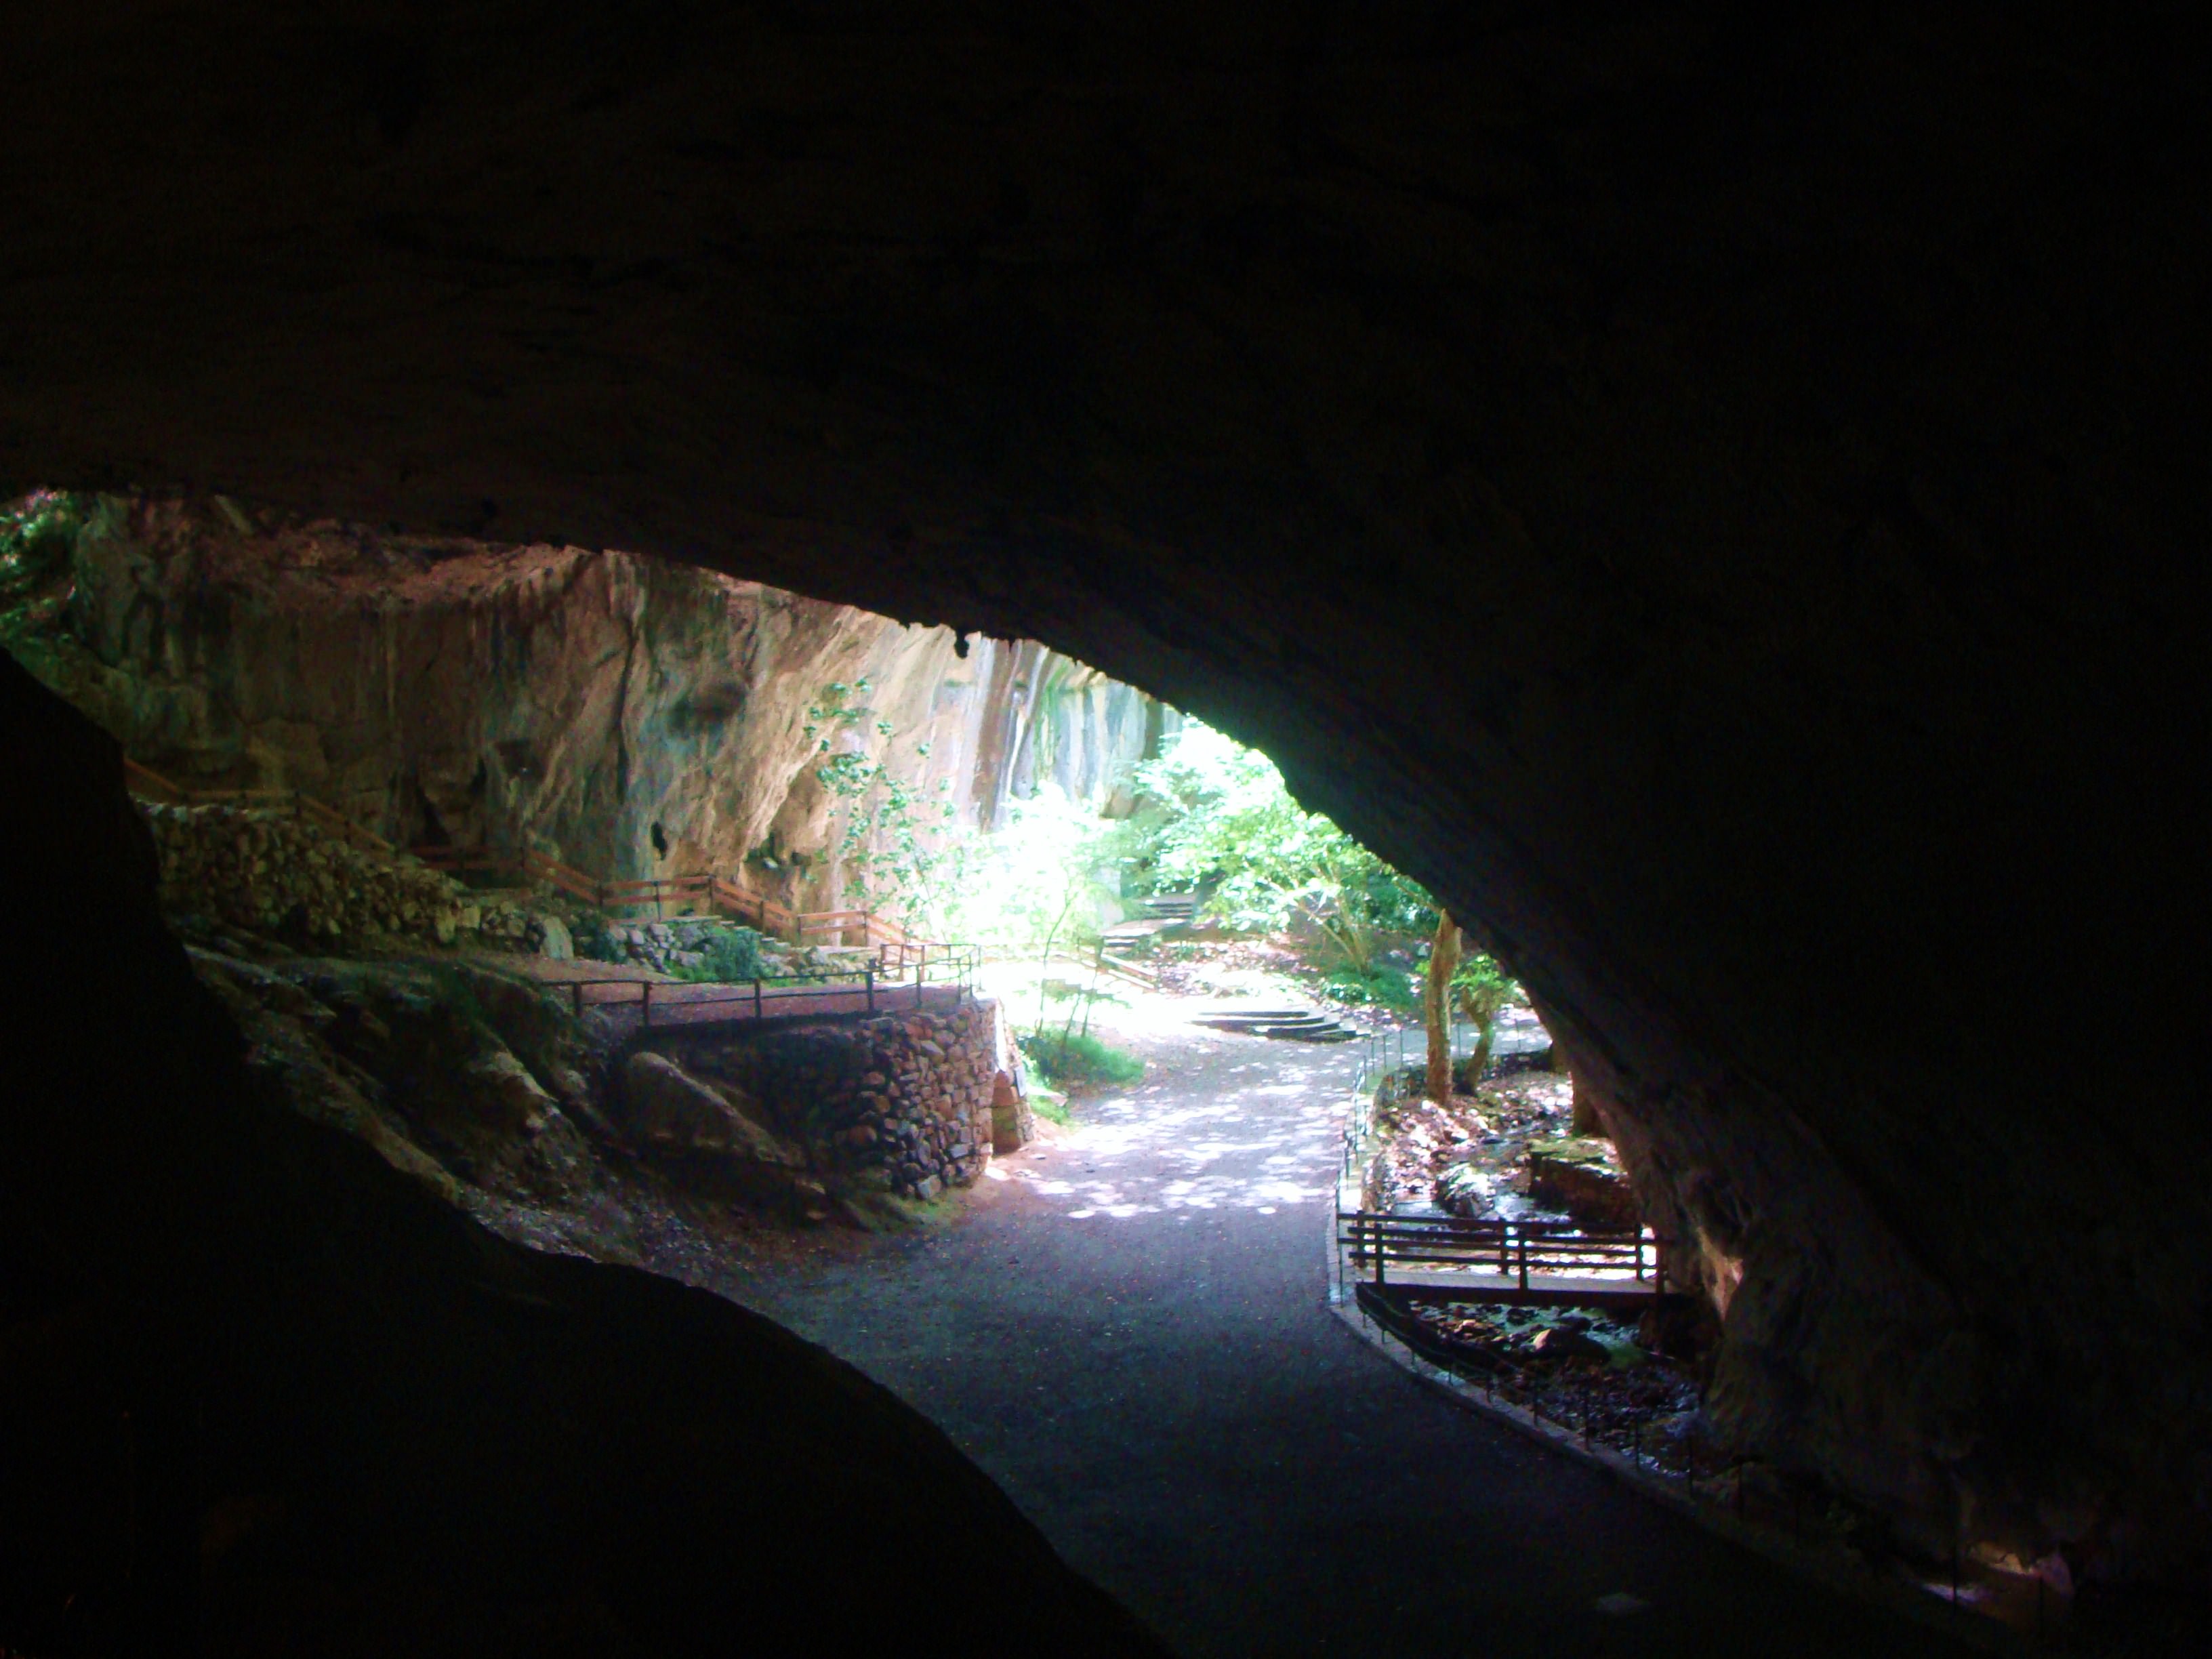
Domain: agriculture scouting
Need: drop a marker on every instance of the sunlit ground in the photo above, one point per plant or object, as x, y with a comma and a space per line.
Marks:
1218, 1121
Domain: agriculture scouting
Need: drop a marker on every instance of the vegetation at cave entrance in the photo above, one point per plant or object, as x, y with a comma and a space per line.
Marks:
1217, 819
729, 954
1079, 1061
1223, 821
899, 846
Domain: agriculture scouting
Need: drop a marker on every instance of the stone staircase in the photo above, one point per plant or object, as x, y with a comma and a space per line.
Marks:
1179, 908
1291, 1024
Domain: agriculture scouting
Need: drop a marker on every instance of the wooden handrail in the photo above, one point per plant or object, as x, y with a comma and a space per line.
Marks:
146, 779
718, 891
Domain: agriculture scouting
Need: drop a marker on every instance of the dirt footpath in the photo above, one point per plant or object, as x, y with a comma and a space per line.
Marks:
1126, 1330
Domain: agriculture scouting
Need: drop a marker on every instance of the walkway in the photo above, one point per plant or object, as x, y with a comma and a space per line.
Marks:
1127, 1331
632, 999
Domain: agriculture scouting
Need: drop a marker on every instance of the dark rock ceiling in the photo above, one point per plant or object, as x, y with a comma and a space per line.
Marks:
1715, 489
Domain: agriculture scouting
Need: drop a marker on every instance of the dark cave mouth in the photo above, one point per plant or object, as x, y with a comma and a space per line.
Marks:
1693, 1192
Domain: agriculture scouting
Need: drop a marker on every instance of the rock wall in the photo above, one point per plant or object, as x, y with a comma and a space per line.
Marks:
274, 872
900, 1104
629, 717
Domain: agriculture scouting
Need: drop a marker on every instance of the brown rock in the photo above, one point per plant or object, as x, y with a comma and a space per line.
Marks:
669, 1108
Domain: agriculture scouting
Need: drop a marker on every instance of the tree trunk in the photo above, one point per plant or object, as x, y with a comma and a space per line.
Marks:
1435, 1000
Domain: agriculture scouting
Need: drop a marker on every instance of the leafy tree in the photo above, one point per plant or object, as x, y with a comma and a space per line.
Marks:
38, 535
1482, 987
899, 846
1221, 815
1043, 879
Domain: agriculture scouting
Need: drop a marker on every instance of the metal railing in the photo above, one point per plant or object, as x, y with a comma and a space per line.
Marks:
1633, 1260
658, 1005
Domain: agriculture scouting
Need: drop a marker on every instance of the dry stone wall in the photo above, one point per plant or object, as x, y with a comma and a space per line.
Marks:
269, 872
900, 1104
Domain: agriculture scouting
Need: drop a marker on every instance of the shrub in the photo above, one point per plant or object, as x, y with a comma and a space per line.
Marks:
731, 953
1388, 988
1078, 1061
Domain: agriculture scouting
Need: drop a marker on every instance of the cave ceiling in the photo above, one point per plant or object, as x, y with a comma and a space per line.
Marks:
1714, 490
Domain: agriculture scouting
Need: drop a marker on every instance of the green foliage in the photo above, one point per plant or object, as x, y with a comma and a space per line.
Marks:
588, 929
1383, 986
1078, 1060
1482, 989
732, 954
1220, 815
1044, 880
897, 850
37, 538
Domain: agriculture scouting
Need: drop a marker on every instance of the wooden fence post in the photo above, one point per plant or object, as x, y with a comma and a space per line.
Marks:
645, 988
869, 969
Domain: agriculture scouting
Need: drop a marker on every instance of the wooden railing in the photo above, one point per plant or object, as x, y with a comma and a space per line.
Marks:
144, 780
717, 895
876, 986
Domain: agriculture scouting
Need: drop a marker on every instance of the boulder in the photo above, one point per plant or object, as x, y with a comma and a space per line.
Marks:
1560, 1343
510, 1097
1582, 1175
674, 1111
555, 942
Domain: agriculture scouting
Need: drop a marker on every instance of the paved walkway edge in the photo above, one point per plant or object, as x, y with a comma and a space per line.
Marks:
1840, 1576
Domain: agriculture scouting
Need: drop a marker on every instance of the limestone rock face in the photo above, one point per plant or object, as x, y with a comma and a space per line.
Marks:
631, 718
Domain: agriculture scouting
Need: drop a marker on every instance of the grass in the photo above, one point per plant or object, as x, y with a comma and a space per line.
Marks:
1386, 988
1049, 1103
1079, 1062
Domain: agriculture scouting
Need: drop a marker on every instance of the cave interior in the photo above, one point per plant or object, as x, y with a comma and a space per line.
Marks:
1709, 492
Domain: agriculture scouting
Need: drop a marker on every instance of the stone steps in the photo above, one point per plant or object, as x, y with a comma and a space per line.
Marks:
1291, 1024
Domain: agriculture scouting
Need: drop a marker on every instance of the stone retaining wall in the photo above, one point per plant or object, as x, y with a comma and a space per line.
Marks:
265, 871
900, 1103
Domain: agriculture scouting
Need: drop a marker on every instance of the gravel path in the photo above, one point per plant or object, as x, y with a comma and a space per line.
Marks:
1126, 1330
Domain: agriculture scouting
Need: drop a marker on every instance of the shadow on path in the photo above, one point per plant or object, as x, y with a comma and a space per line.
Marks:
1128, 1330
